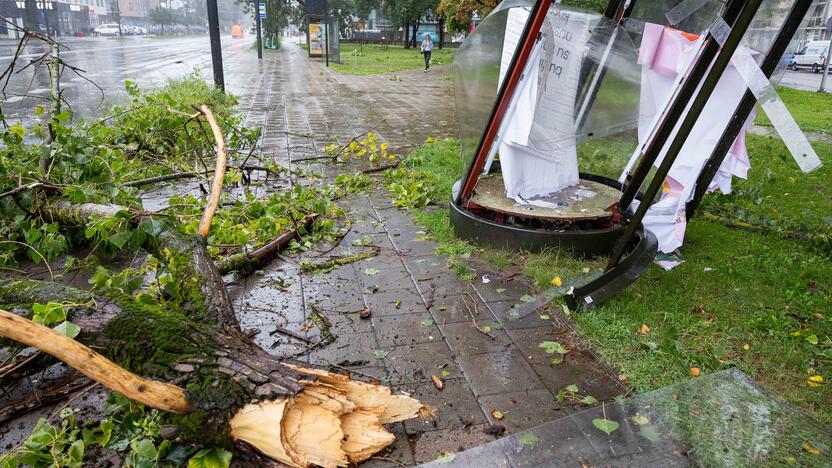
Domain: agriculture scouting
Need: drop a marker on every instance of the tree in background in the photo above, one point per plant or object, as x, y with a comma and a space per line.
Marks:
163, 17
407, 14
363, 8
459, 13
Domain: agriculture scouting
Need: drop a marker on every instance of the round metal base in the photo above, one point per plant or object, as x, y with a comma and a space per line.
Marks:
593, 242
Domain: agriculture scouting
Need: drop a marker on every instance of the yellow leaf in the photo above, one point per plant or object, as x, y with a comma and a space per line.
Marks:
497, 415
815, 380
746, 346
640, 420
556, 281
808, 447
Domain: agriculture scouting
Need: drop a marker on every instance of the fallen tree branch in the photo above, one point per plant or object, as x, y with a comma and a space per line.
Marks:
309, 267
187, 175
219, 174
373, 170
246, 262
153, 393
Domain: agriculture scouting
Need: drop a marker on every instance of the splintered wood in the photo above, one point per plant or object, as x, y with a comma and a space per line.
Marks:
333, 421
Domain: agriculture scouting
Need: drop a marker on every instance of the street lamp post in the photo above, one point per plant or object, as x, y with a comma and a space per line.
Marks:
216, 52
826, 60
257, 25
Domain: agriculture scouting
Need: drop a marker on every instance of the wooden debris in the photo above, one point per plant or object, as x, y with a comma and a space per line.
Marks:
333, 421
437, 382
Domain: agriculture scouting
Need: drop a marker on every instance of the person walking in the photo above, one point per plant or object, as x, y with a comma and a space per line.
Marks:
427, 46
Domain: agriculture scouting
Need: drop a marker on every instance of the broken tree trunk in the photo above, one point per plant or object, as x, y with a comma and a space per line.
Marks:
247, 262
190, 348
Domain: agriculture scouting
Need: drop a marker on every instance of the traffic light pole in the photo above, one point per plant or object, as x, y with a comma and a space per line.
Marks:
216, 51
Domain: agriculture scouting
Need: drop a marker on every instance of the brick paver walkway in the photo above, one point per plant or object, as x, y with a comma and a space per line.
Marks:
422, 314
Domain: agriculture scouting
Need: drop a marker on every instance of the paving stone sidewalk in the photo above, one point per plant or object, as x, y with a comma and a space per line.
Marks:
422, 314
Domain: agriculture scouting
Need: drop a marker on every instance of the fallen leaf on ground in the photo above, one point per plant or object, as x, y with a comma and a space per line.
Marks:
810, 449
552, 347
556, 281
544, 317
605, 425
371, 271
815, 380
398, 303
589, 400
526, 298
446, 457
445, 374
622, 377
380, 353
746, 346
528, 439
639, 419
437, 382
497, 414
694, 371
644, 329
365, 314
501, 290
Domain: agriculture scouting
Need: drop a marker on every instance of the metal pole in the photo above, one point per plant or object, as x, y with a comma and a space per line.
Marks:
746, 105
723, 57
216, 51
498, 110
257, 25
326, 31
825, 69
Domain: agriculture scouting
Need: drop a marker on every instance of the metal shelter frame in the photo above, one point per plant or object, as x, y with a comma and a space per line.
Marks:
634, 249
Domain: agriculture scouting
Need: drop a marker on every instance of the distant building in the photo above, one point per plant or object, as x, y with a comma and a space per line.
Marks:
815, 30
136, 11
48, 17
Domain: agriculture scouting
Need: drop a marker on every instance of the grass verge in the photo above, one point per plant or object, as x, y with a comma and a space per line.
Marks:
758, 301
811, 110
374, 59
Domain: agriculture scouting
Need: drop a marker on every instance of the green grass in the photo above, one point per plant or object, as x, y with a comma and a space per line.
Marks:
375, 59
811, 110
764, 290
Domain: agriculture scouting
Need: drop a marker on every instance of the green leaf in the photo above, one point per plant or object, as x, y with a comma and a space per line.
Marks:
76, 451
371, 271
501, 290
63, 117
639, 419
526, 298
446, 457
605, 425
426, 322
210, 458
144, 448
68, 329
528, 439
572, 388
650, 433
589, 400
380, 353
552, 347
812, 339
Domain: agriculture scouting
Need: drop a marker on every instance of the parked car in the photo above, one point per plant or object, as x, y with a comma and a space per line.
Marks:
812, 56
109, 29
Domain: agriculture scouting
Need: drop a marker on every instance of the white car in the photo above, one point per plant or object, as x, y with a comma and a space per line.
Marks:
812, 56
106, 29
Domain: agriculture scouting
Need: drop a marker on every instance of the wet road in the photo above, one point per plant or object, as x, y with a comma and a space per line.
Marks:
804, 80
108, 62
